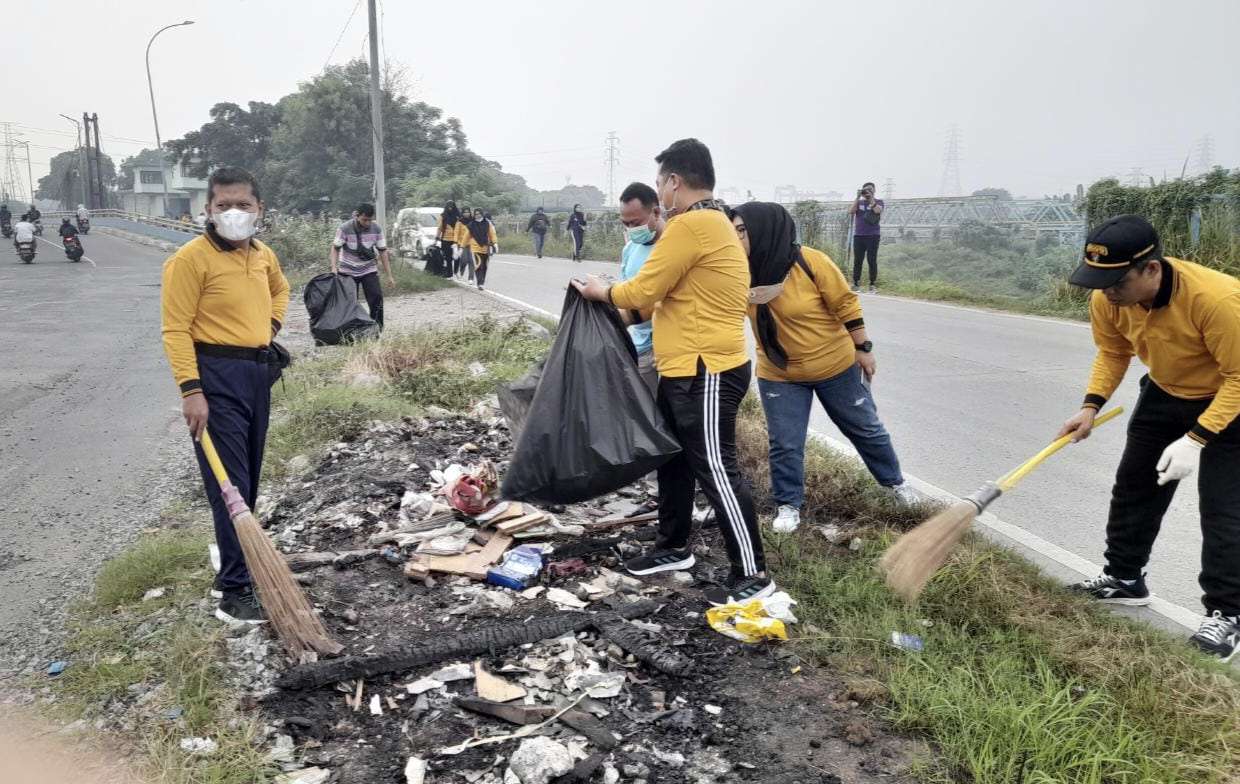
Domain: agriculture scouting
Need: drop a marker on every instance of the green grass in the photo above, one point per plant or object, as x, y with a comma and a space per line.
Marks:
1019, 681
170, 647
410, 279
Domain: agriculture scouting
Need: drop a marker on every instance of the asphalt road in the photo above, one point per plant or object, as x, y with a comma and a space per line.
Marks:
968, 395
88, 417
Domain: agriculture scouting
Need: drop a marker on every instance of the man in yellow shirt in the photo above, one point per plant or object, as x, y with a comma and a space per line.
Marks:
1182, 321
224, 298
696, 285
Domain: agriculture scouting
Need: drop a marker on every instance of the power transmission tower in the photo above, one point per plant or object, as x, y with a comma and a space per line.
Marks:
1205, 154
10, 177
889, 188
612, 151
1135, 177
376, 117
950, 184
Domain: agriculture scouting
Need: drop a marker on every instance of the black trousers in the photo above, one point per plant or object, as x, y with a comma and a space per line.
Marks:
480, 273
369, 285
1138, 503
446, 247
865, 248
238, 395
701, 410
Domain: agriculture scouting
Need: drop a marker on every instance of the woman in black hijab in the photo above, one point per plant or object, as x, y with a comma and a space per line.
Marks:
577, 228
482, 241
446, 235
811, 342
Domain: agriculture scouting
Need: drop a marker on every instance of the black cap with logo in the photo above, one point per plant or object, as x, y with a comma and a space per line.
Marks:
1112, 249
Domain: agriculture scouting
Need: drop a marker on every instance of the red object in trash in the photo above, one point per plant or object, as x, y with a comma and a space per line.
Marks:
468, 495
567, 567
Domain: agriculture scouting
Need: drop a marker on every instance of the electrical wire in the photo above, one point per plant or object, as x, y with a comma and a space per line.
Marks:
340, 37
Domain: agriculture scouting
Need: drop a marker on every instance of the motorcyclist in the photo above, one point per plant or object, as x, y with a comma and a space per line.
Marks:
67, 229
34, 214
5, 215
23, 231
82, 212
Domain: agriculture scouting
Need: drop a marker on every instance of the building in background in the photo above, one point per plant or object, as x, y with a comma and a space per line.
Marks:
142, 187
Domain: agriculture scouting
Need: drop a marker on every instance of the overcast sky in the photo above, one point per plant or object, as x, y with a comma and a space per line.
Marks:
821, 95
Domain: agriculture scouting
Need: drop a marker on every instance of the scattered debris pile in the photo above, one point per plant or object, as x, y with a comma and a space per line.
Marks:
506, 646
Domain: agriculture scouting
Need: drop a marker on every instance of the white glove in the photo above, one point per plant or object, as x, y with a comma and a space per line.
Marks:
1179, 460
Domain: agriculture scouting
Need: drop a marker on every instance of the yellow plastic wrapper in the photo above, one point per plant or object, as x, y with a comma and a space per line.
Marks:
752, 621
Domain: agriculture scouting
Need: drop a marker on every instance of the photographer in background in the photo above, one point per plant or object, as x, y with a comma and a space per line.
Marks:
867, 211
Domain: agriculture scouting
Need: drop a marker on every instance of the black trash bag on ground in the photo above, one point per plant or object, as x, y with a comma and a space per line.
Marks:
335, 315
434, 260
592, 426
515, 398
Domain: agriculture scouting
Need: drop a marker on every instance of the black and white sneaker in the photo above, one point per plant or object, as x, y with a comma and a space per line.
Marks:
1112, 590
240, 607
217, 590
657, 561
1219, 635
740, 590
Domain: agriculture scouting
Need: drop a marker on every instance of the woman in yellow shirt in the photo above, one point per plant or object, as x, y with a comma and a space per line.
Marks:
481, 243
811, 341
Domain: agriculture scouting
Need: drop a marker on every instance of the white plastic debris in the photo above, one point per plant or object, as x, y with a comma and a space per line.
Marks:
305, 776
564, 598
154, 593
423, 685
415, 770
454, 672
538, 760
713, 710
376, 705
199, 746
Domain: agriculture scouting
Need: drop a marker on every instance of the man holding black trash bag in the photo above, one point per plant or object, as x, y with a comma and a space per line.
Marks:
695, 285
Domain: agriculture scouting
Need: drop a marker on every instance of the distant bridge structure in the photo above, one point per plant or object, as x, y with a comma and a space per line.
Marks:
911, 220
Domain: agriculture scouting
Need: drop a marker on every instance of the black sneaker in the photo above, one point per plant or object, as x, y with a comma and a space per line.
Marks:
1219, 636
1112, 590
657, 561
240, 607
217, 590
740, 590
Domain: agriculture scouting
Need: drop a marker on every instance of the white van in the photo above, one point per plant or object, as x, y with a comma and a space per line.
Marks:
415, 230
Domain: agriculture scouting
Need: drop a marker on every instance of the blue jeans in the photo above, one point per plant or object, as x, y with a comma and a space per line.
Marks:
847, 400
539, 239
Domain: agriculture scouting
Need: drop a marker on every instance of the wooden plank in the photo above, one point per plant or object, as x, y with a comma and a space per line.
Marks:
473, 565
521, 523
619, 522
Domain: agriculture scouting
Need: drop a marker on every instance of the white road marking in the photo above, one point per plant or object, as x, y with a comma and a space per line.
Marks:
1181, 616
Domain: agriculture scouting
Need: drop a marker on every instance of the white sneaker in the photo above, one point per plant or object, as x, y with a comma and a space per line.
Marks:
905, 494
787, 519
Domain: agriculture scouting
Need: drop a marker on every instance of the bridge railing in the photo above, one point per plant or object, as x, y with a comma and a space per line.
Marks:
135, 217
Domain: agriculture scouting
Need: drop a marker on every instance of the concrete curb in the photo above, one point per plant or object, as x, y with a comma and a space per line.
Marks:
141, 239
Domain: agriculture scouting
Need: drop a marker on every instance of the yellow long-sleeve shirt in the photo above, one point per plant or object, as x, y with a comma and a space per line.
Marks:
217, 294
467, 240
814, 318
1189, 340
697, 282
446, 232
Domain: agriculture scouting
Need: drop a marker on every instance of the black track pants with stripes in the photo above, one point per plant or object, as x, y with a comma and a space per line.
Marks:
701, 410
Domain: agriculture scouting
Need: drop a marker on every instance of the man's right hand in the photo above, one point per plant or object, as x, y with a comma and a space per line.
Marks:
194, 408
1080, 425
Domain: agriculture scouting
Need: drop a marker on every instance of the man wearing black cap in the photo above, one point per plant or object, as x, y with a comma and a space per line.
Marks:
1183, 321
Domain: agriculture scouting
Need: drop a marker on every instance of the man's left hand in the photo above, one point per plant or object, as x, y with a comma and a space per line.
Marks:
391, 279
867, 363
591, 287
1179, 460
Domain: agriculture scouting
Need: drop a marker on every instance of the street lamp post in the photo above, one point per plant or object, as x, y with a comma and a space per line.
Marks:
83, 168
154, 115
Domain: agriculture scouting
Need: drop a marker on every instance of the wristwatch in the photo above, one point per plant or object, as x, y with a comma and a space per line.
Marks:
865, 347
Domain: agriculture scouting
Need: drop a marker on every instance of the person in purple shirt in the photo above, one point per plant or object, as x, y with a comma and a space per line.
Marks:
867, 211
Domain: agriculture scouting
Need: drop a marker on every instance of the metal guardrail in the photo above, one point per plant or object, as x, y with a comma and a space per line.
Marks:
150, 220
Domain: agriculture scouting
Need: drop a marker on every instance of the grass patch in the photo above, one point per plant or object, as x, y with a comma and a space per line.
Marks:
170, 650
1019, 680
410, 279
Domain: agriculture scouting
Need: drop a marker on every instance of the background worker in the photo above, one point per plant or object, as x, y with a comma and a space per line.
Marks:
812, 340
445, 235
696, 282
643, 223
463, 260
577, 230
356, 252
1183, 321
223, 300
482, 245
537, 227
867, 213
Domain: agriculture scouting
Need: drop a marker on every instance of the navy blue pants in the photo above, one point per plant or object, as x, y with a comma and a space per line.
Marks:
239, 400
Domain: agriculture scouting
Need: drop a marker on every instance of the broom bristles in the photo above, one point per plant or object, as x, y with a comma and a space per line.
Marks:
915, 557
286, 605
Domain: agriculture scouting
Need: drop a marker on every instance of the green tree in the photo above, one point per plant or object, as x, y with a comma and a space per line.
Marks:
63, 182
997, 193
484, 186
234, 137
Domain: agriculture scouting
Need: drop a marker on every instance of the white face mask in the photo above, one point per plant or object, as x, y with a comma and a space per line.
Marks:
235, 224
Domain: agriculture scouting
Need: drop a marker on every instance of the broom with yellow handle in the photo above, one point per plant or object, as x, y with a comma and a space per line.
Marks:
910, 563
286, 605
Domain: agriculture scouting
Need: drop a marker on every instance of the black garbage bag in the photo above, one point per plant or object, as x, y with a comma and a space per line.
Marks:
592, 426
515, 398
434, 260
335, 315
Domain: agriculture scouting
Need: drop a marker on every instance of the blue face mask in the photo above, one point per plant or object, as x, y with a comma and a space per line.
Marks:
642, 235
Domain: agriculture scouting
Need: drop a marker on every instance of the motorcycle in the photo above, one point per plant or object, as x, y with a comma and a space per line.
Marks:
83, 225
25, 251
73, 248
6, 228
38, 227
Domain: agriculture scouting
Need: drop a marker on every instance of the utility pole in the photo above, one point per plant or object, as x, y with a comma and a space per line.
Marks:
103, 195
376, 116
89, 174
82, 167
150, 85
613, 152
